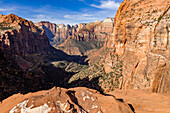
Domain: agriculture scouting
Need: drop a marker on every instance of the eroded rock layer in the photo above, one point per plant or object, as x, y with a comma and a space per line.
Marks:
26, 56
141, 38
79, 38
75, 100
20, 36
137, 54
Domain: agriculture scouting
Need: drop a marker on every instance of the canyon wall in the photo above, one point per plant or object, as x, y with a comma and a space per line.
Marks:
137, 54
25, 58
20, 36
79, 38
141, 39
57, 33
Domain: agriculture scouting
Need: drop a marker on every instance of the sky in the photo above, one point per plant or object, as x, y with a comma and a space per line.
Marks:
61, 11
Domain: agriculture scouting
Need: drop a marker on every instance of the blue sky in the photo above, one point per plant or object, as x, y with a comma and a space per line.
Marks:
61, 11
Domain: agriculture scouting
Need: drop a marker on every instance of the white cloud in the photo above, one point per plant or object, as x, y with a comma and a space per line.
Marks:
1, 9
109, 4
82, 16
7, 9
41, 17
58, 15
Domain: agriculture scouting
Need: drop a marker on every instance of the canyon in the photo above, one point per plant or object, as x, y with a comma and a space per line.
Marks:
123, 65
78, 39
136, 55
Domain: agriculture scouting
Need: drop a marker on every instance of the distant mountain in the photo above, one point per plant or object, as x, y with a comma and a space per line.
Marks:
57, 33
80, 38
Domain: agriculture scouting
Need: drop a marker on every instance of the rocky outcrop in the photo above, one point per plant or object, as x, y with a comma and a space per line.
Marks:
143, 101
141, 38
76, 37
87, 37
20, 36
57, 33
75, 100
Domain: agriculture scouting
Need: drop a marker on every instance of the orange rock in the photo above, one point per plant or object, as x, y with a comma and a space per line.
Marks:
73, 100
141, 38
20, 36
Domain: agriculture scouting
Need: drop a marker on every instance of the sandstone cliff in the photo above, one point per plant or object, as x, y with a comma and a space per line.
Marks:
25, 58
87, 37
57, 33
136, 55
79, 38
20, 36
75, 100
141, 37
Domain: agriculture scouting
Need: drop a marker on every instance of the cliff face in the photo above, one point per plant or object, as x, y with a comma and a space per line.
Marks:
57, 33
25, 55
141, 38
75, 100
136, 55
20, 36
87, 37
76, 37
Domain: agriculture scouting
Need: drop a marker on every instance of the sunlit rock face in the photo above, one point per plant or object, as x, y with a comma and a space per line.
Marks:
57, 33
141, 38
75, 100
21, 36
76, 38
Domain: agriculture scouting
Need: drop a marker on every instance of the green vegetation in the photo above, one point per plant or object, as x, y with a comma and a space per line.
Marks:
154, 11
159, 19
5, 26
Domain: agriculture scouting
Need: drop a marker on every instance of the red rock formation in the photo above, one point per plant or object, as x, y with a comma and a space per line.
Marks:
75, 100
141, 38
57, 33
94, 32
90, 36
144, 101
21, 36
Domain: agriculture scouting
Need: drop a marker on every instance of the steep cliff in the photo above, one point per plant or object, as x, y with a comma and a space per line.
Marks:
26, 56
136, 55
57, 33
79, 38
141, 37
87, 37
20, 36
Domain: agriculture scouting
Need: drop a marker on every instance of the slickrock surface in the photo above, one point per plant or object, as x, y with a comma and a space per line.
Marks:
75, 100
20, 36
143, 101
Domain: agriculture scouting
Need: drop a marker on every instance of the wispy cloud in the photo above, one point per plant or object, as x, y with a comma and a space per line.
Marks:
85, 16
7, 9
60, 15
1, 9
109, 4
